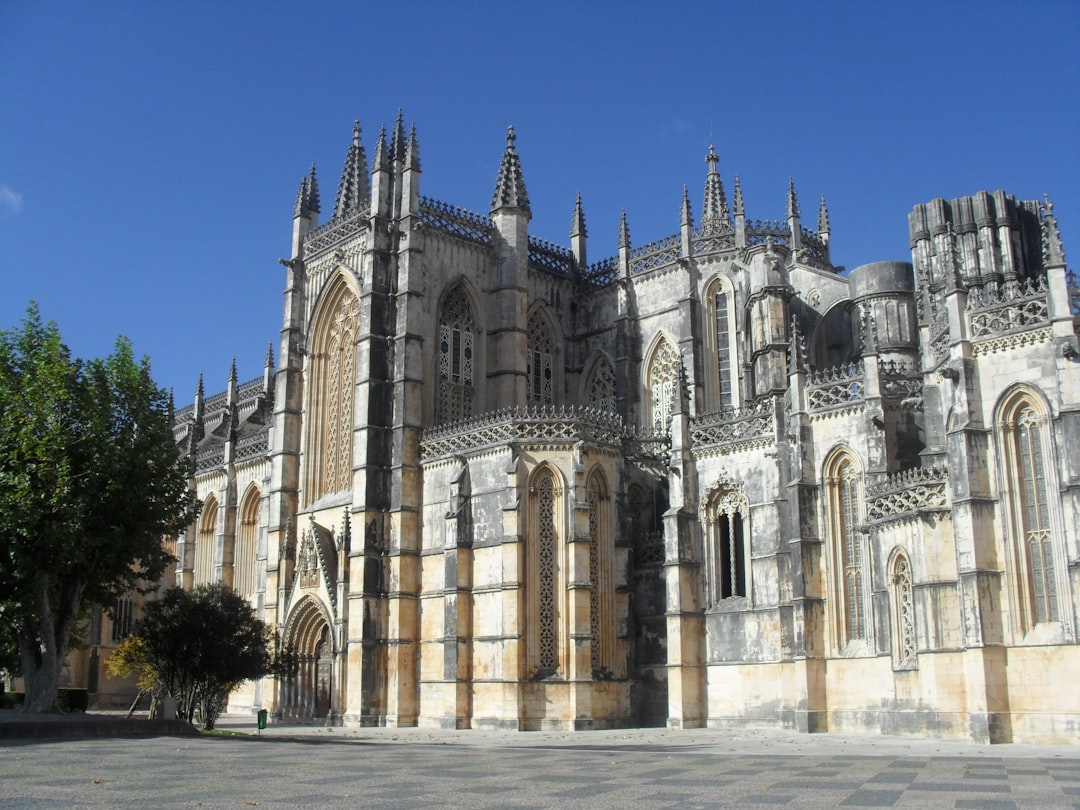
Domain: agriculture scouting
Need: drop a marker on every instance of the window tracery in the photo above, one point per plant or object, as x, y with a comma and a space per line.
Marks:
725, 555
849, 556
457, 329
723, 348
246, 536
601, 595
602, 386
663, 379
546, 580
903, 601
540, 373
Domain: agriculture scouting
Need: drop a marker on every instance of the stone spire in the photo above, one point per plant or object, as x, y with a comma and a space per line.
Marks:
714, 210
740, 215
397, 143
1053, 252
301, 208
268, 369
823, 218
624, 232
793, 216
792, 200
412, 150
313, 192
381, 152
510, 185
578, 234
353, 189
685, 218
740, 211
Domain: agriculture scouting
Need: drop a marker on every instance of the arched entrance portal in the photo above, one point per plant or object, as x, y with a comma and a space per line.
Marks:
306, 693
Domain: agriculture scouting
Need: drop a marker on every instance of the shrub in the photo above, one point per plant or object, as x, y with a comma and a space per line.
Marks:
70, 700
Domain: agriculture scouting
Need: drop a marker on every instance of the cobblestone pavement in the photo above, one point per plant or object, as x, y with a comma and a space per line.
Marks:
655, 768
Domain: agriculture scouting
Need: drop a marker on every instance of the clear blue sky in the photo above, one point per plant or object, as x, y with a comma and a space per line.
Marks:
150, 152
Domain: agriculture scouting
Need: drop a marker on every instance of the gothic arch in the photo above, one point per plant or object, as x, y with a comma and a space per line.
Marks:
599, 390
660, 382
459, 366
331, 390
849, 553
1031, 513
545, 575
721, 345
244, 573
543, 365
902, 605
205, 543
726, 518
831, 343
308, 690
602, 617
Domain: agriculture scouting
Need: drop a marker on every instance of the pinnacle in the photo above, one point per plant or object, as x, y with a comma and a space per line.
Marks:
792, 200
353, 188
714, 209
738, 201
684, 210
823, 217
577, 224
624, 231
412, 150
270, 354
510, 185
313, 192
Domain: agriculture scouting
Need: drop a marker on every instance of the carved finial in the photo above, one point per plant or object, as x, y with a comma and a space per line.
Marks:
739, 210
510, 184
300, 209
797, 348
823, 217
1053, 251
714, 208
685, 219
397, 143
353, 189
199, 388
412, 150
313, 192
232, 371
624, 231
792, 200
577, 223
381, 152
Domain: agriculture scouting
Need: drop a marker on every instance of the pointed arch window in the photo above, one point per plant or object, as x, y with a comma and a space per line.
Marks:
457, 330
1027, 450
332, 393
602, 591
205, 542
601, 388
663, 376
725, 552
541, 367
544, 559
244, 570
903, 610
722, 324
851, 570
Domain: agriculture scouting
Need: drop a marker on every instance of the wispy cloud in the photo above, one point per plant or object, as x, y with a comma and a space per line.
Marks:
10, 201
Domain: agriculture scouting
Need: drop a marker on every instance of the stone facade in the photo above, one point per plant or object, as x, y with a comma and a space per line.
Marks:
707, 481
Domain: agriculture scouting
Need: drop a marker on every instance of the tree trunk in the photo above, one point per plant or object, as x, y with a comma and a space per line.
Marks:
43, 646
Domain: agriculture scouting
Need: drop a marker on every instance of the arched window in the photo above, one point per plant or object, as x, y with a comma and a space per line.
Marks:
244, 570
725, 546
541, 366
456, 397
1023, 425
602, 593
544, 575
719, 313
332, 393
662, 379
903, 610
205, 543
850, 565
601, 387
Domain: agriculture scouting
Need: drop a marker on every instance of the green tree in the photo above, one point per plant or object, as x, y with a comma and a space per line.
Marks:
91, 481
200, 645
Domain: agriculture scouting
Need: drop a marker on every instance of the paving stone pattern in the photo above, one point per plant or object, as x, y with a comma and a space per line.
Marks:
326, 772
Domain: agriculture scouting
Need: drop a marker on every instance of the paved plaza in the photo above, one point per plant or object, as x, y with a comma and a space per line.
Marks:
292, 766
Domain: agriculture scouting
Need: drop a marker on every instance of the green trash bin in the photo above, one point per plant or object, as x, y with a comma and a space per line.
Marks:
262, 719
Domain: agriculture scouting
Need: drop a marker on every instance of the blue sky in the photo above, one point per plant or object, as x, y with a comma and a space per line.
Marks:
150, 152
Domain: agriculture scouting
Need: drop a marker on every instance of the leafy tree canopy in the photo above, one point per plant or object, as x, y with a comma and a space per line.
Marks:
198, 646
90, 482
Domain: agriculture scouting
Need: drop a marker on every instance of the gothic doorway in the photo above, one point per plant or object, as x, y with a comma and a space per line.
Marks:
306, 692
